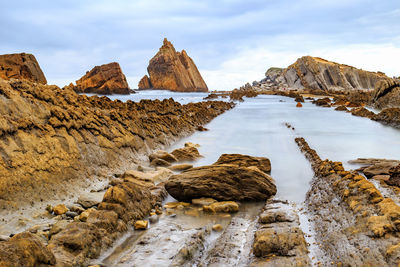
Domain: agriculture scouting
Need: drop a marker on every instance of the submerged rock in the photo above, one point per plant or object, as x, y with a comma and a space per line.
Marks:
221, 182
224, 207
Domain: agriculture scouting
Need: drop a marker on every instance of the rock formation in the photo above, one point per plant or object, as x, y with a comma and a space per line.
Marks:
105, 79
317, 73
21, 66
173, 71
53, 136
387, 94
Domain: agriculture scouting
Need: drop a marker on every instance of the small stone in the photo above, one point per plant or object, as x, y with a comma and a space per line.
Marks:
153, 218
77, 209
299, 105
217, 227
204, 201
4, 238
71, 214
49, 208
224, 206
141, 225
60, 209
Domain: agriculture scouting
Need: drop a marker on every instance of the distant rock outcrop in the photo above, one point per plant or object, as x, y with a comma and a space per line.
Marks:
387, 94
173, 71
21, 66
320, 74
106, 79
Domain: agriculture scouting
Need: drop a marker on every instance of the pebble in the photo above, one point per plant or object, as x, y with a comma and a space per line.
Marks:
153, 219
71, 214
4, 238
217, 227
141, 225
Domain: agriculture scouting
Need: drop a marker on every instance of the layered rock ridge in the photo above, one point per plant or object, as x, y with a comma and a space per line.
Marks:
106, 79
21, 66
52, 136
317, 73
172, 70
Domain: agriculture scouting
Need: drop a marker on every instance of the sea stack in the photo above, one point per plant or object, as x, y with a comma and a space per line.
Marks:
171, 70
106, 79
21, 66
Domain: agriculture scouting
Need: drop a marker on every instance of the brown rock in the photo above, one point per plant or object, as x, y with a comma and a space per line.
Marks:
320, 74
173, 71
217, 227
203, 201
141, 225
60, 209
381, 168
21, 66
181, 167
187, 153
105, 79
387, 94
223, 207
221, 182
144, 83
341, 108
25, 249
164, 155
263, 164
362, 112
299, 105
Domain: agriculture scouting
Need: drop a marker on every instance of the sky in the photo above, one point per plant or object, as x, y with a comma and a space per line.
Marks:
232, 42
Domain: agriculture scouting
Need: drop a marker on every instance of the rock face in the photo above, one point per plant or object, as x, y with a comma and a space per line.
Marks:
21, 66
54, 137
387, 94
241, 179
320, 74
173, 71
105, 79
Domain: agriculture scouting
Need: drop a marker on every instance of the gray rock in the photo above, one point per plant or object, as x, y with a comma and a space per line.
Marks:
89, 200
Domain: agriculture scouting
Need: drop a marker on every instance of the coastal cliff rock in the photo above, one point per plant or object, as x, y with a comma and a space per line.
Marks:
105, 79
173, 71
21, 66
54, 139
387, 94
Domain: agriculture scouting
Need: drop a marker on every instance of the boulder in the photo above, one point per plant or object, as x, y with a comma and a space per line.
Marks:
105, 79
173, 71
21, 66
60, 209
341, 108
380, 168
362, 112
394, 176
387, 94
263, 164
25, 249
181, 167
187, 153
164, 155
222, 182
91, 199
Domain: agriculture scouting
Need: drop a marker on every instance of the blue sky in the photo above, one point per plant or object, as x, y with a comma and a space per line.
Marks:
232, 42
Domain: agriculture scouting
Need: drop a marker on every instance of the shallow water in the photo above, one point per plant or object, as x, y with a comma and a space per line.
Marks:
257, 127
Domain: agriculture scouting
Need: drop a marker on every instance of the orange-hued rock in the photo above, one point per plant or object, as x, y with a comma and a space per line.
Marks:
105, 79
173, 71
299, 105
320, 74
21, 66
145, 83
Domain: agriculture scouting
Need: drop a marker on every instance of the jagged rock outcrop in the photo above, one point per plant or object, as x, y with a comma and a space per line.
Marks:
173, 71
317, 73
21, 66
53, 137
105, 80
145, 83
387, 94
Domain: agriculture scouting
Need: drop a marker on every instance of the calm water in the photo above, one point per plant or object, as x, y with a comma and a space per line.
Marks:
256, 127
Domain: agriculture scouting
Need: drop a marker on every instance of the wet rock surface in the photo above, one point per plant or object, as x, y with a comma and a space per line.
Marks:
355, 224
221, 182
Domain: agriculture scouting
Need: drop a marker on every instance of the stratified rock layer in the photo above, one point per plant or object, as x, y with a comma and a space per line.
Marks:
387, 94
173, 71
320, 74
52, 136
105, 79
21, 66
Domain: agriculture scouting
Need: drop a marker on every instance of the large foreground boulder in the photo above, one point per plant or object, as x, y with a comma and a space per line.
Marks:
173, 71
261, 163
241, 179
21, 66
105, 79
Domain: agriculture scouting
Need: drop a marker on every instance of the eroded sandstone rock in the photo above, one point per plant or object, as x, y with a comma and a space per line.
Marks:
104, 79
262, 163
21, 66
173, 71
387, 94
